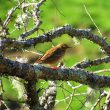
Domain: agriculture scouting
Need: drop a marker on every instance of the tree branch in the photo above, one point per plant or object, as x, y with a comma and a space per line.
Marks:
32, 99
29, 72
67, 29
10, 14
89, 63
47, 100
36, 15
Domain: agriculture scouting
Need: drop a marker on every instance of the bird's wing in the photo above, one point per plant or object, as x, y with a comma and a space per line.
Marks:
51, 54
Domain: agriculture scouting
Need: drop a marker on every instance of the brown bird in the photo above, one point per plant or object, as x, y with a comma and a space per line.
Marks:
54, 55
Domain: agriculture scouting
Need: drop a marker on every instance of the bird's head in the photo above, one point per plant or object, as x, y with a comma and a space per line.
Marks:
64, 46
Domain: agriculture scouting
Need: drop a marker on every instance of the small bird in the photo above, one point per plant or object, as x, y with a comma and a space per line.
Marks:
54, 55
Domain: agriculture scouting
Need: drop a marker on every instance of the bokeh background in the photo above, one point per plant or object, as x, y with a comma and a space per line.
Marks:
57, 13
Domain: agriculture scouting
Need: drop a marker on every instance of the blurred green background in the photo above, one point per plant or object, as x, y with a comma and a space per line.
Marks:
57, 13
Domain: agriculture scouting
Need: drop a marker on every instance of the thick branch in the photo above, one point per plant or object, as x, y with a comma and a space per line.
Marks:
32, 100
47, 100
26, 71
14, 68
56, 33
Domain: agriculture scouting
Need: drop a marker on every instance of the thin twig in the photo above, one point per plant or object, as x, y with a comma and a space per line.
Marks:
71, 99
10, 14
88, 63
92, 20
65, 97
73, 87
37, 21
61, 100
102, 71
98, 101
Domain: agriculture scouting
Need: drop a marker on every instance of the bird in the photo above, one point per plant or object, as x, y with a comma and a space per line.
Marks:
53, 55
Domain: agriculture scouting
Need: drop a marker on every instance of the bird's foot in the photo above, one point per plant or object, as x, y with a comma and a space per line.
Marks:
55, 67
